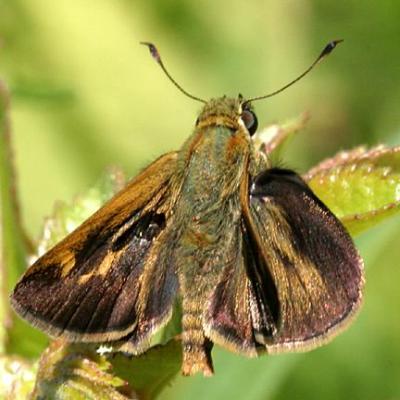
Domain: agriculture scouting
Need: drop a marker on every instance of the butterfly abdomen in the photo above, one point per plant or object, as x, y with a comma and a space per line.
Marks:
196, 347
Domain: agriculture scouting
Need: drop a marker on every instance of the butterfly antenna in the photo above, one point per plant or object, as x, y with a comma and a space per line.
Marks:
156, 55
325, 52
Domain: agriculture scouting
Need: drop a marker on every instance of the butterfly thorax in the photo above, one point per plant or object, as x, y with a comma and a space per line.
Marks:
210, 169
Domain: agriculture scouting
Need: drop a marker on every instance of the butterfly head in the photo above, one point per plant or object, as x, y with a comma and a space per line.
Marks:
234, 113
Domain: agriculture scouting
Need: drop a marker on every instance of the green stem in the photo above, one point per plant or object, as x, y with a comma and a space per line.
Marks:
13, 242
12, 253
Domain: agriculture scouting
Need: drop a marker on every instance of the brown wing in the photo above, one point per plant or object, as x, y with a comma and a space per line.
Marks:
227, 317
314, 275
87, 287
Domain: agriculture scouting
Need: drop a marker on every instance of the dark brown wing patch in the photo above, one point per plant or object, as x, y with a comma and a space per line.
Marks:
312, 260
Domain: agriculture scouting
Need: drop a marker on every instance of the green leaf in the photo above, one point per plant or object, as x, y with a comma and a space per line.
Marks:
150, 372
236, 377
273, 138
362, 187
76, 371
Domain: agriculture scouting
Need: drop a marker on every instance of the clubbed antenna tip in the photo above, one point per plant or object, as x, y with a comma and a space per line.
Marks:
156, 55
153, 51
329, 48
325, 52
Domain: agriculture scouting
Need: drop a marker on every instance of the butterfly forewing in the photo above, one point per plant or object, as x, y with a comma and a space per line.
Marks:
315, 268
87, 288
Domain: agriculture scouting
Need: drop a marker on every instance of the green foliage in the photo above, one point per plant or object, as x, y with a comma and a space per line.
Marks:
77, 372
362, 187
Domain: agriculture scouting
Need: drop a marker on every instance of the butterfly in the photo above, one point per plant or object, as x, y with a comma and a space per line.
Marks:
252, 258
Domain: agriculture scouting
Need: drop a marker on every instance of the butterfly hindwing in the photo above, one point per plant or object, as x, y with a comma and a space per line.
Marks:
316, 272
87, 288
227, 317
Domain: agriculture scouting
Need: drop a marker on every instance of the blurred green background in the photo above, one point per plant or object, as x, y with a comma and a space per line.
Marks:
86, 95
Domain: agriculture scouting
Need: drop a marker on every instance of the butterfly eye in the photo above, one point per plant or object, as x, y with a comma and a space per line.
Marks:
250, 121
